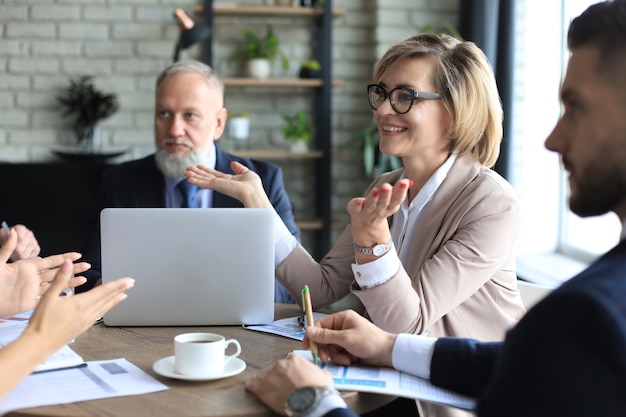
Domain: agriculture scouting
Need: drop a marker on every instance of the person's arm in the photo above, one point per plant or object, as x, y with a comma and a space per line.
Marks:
370, 216
54, 323
274, 384
565, 357
347, 337
247, 187
27, 245
469, 256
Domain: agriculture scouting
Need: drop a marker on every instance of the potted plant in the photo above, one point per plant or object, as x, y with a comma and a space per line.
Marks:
310, 69
260, 52
297, 130
89, 106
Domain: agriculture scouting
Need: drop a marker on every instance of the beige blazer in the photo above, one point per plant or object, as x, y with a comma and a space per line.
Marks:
461, 281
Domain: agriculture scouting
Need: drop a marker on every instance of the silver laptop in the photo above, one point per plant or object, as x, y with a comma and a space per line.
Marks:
191, 266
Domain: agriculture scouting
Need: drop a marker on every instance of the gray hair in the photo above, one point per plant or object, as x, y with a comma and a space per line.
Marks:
193, 66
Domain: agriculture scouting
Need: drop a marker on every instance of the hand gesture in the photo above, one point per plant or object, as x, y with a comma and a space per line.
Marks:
23, 283
27, 246
245, 185
57, 319
347, 337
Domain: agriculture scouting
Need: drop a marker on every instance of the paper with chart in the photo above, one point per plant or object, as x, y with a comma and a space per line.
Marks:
392, 382
99, 379
289, 327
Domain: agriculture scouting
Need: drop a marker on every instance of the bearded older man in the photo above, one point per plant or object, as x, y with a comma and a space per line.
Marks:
189, 118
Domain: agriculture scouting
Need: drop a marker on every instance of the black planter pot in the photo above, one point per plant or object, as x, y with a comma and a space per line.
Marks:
309, 73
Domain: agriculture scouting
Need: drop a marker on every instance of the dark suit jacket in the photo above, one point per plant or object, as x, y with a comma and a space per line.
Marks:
342, 412
566, 357
139, 183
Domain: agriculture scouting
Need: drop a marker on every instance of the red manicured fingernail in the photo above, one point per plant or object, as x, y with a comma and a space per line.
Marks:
410, 183
375, 193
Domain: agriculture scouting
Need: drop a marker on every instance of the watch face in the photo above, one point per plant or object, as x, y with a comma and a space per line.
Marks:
301, 399
379, 250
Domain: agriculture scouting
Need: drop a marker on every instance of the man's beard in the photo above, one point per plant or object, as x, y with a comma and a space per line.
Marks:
599, 187
175, 165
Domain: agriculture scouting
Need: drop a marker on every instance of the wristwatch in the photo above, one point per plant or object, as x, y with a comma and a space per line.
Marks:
377, 250
305, 399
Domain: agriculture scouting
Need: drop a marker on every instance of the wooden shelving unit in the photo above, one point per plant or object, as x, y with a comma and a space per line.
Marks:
243, 10
279, 82
269, 154
321, 23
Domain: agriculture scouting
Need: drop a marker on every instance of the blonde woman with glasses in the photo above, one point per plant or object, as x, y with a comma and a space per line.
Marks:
431, 246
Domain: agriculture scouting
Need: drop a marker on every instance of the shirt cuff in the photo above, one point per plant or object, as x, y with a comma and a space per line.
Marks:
283, 240
326, 404
413, 353
377, 272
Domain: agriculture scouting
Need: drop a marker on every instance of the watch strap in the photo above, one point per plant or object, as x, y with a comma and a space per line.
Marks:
378, 249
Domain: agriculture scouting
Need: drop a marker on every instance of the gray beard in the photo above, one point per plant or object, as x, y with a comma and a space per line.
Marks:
175, 166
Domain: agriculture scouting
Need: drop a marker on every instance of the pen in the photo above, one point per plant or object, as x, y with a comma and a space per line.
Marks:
6, 228
306, 305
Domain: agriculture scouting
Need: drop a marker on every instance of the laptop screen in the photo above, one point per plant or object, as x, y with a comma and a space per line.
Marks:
210, 266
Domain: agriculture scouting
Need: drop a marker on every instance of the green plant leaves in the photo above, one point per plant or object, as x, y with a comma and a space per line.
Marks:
297, 126
266, 47
89, 105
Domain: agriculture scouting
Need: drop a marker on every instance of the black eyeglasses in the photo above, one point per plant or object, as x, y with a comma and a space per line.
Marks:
400, 98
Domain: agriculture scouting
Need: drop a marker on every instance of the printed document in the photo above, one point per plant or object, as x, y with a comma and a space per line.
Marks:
289, 327
389, 381
11, 328
99, 379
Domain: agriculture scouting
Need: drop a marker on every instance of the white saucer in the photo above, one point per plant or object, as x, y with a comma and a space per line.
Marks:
165, 367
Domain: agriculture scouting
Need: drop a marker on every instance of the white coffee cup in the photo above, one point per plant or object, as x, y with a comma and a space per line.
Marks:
202, 354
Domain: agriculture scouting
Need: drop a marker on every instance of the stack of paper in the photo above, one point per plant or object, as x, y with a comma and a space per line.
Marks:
79, 382
11, 328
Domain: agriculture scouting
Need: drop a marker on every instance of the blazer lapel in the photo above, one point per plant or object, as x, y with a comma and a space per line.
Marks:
462, 172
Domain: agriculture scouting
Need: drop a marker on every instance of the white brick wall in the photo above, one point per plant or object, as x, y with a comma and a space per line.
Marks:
125, 43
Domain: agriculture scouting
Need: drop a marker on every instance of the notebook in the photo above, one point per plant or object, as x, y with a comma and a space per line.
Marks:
191, 266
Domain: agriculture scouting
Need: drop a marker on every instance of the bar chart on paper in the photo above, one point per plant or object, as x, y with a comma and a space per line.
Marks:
392, 382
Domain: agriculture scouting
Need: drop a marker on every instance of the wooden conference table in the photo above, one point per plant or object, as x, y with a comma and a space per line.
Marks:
225, 397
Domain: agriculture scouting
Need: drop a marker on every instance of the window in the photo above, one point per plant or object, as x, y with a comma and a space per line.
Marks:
555, 244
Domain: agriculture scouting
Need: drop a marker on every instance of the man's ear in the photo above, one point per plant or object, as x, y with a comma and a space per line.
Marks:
220, 124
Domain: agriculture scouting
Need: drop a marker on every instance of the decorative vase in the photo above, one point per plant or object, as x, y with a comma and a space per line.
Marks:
239, 130
260, 68
298, 146
91, 139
